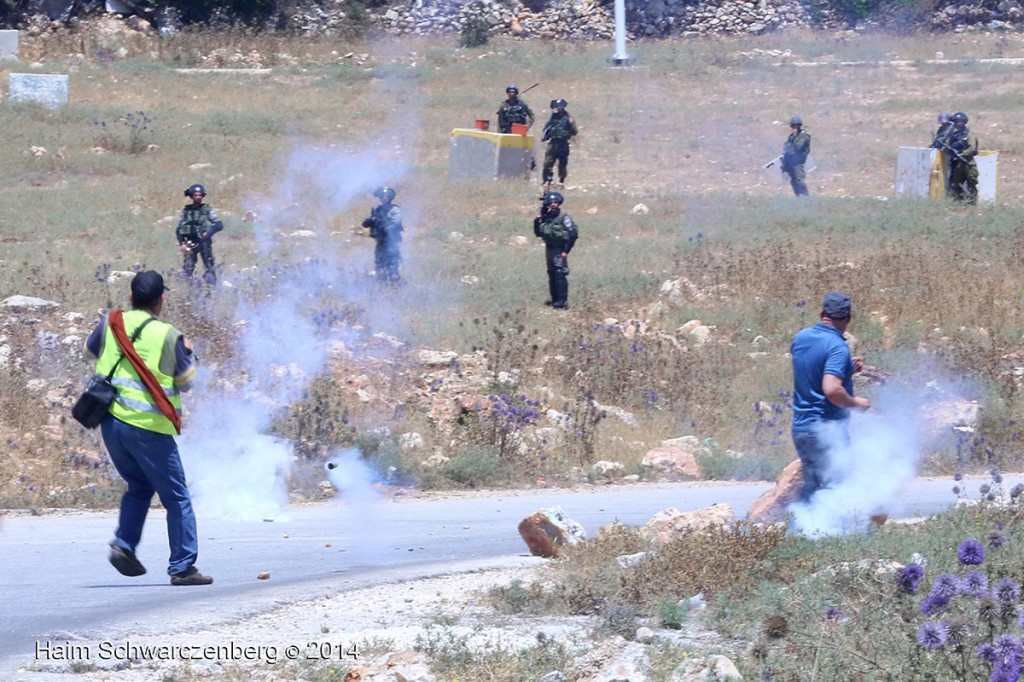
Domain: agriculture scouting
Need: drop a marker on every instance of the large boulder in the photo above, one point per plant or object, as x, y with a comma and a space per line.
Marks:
548, 530
669, 524
672, 462
772, 505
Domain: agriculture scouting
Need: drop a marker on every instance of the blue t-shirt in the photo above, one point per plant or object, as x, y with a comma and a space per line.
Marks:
817, 351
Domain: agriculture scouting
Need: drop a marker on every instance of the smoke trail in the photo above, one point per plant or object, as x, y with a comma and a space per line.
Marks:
868, 472
235, 469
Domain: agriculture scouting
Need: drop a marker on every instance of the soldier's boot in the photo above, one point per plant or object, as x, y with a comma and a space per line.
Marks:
561, 298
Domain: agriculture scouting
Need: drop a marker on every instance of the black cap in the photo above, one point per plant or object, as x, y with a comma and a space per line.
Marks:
836, 305
147, 288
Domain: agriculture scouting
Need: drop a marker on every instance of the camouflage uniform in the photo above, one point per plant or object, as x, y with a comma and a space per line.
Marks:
963, 173
514, 110
385, 224
559, 129
196, 228
794, 154
559, 232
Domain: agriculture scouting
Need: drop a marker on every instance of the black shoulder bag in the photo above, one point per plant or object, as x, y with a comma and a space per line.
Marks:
94, 403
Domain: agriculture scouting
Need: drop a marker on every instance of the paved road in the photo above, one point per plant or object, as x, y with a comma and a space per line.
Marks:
57, 585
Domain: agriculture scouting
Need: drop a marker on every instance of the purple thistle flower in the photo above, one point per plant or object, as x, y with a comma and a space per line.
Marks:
996, 539
985, 489
1007, 647
1016, 490
971, 552
945, 586
932, 635
987, 652
956, 490
974, 584
1006, 591
832, 614
933, 604
909, 578
958, 476
1005, 672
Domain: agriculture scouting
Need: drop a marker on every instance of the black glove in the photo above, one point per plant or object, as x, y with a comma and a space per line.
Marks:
369, 222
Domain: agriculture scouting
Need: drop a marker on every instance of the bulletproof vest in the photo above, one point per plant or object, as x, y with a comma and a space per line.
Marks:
515, 113
559, 127
555, 229
195, 220
384, 228
958, 139
790, 153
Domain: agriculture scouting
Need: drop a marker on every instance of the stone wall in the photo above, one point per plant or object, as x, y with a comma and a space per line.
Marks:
594, 19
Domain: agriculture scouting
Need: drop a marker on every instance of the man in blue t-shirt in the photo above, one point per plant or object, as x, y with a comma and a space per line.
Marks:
823, 390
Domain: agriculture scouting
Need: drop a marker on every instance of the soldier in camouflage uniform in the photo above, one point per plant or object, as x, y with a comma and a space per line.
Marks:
559, 233
559, 129
940, 141
963, 173
794, 155
513, 110
385, 225
195, 232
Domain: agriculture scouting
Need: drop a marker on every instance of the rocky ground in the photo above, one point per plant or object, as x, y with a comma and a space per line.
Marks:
385, 632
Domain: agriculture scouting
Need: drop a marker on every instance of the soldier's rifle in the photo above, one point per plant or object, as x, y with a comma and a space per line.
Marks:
530, 88
945, 145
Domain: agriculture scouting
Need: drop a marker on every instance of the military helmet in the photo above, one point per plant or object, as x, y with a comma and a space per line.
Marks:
943, 117
555, 103
195, 188
512, 86
959, 117
796, 121
383, 191
552, 198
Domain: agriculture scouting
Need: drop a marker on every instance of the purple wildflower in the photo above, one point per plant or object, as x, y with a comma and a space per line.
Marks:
971, 552
1007, 647
996, 539
958, 476
832, 614
974, 584
1006, 591
1005, 672
946, 586
987, 652
933, 604
1016, 490
932, 635
956, 490
984, 489
909, 578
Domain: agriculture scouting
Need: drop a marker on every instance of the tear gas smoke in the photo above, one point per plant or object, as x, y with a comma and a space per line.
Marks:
881, 455
235, 469
350, 476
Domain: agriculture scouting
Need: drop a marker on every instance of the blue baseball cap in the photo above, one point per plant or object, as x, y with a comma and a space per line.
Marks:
836, 305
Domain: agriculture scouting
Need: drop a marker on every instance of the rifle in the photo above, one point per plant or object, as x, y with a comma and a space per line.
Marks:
954, 152
530, 88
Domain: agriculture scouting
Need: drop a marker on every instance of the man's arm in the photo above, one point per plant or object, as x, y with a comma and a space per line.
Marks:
184, 369
832, 387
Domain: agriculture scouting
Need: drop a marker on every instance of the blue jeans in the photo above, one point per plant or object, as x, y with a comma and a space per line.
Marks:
149, 463
815, 449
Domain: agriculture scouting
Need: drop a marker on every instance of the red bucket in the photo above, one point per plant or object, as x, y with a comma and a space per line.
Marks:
482, 124
520, 129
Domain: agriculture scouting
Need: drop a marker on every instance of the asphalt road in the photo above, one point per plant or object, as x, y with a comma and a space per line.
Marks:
57, 585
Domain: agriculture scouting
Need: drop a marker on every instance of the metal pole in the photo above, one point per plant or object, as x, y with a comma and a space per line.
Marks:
620, 57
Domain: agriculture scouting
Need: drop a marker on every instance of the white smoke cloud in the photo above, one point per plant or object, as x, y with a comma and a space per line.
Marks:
235, 469
869, 470
867, 473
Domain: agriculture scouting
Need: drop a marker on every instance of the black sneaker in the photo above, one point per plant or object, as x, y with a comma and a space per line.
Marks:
191, 577
126, 562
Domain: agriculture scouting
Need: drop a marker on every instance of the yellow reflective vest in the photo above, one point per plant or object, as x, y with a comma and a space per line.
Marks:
156, 346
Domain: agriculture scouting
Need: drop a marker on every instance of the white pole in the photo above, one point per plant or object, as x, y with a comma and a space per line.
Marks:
620, 57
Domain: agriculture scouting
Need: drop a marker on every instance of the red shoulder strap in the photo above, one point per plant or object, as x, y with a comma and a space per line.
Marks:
116, 321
